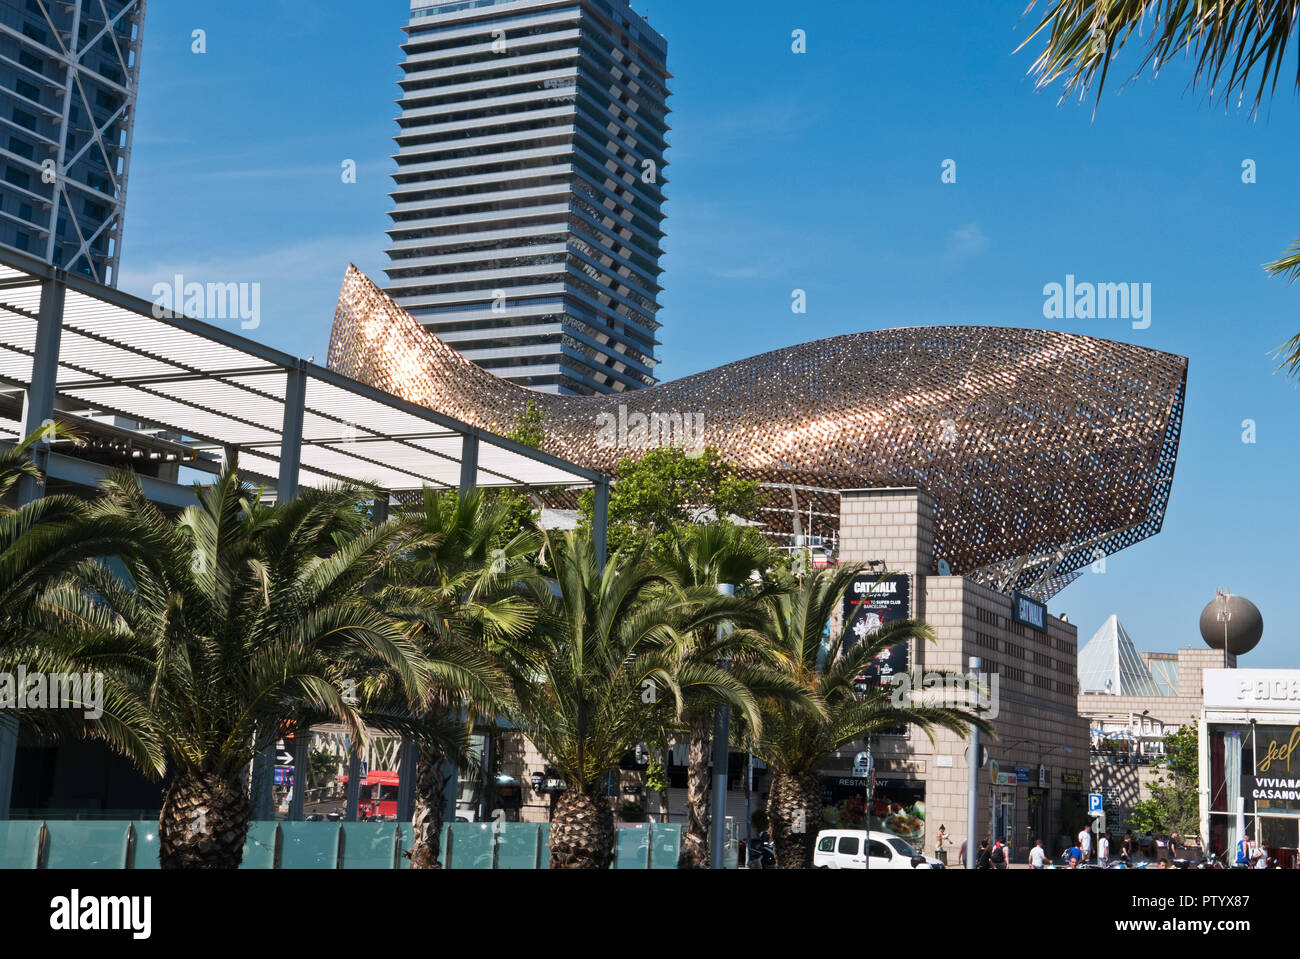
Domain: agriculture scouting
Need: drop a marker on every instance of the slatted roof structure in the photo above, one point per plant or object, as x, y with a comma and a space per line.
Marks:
75, 350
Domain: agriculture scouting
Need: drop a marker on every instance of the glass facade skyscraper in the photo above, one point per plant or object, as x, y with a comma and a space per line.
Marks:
527, 214
69, 72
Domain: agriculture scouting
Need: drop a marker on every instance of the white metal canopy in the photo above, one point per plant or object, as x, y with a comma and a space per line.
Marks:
221, 392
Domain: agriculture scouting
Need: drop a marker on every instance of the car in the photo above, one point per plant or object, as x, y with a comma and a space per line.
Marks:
842, 849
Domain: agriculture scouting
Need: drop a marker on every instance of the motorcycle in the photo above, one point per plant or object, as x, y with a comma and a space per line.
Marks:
763, 854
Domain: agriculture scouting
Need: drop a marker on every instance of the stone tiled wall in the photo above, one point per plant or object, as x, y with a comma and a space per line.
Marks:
895, 526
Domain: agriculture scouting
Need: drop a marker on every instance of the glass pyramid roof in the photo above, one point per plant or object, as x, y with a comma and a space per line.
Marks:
1110, 664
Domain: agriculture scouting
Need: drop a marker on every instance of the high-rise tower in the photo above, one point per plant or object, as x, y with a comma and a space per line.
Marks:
529, 192
69, 72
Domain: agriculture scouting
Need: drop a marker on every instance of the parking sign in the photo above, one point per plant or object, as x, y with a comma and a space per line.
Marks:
1094, 803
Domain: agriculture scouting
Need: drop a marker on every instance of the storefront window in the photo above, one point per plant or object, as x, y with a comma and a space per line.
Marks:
898, 806
1255, 788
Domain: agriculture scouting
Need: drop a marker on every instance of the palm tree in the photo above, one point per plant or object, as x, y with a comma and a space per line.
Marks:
44, 538
1233, 45
795, 740
599, 673
704, 556
41, 543
229, 619
461, 593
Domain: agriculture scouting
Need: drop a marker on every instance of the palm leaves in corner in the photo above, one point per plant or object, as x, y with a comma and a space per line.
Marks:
1232, 46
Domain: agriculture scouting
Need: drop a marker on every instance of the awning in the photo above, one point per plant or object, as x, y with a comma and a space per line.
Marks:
218, 392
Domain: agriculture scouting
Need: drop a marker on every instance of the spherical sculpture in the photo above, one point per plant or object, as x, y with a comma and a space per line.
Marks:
1233, 623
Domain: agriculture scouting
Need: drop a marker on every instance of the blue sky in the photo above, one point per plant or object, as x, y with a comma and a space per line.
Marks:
818, 172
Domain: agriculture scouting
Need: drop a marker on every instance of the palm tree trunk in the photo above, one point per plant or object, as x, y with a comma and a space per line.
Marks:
426, 821
794, 809
695, 838
204, 822
582, 832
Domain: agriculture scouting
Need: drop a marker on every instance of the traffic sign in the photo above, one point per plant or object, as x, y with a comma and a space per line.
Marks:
1094, 804
984, 755
862, 765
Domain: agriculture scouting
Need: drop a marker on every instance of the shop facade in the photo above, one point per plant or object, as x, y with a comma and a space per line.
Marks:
1250, 761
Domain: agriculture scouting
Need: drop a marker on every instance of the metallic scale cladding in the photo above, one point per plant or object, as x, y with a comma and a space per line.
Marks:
529, 189
69, 73
1042, 451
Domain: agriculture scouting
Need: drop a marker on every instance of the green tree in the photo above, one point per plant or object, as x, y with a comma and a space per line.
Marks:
42, 543
529, 426
1238, 48
229, 620
461, 593
599, 674
702, 556
668, 487
1174, 805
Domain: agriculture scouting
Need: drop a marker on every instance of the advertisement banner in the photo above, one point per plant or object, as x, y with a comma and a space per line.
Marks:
869, 604
1275, 785
1277, 795
898, 806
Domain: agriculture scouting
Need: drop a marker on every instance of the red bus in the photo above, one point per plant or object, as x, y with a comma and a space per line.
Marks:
378, 795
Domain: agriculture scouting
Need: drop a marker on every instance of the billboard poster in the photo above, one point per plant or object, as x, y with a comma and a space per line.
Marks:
870, 604
1275, 785
898, 806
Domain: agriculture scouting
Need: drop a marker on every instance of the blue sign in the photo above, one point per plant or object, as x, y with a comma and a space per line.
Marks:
1094, 803
284, 775
1028, 611
1022, 774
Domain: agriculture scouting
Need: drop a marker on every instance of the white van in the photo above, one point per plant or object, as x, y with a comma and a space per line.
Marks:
842, 849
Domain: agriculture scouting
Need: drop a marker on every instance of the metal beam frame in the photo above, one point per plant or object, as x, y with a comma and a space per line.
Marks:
72, 55
468, 465
600, 522
38, 407
38, 403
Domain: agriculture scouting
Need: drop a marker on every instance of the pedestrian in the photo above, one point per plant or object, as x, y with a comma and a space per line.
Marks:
1174, 845
961, 855
1037, 856
1085, 842
1103, 850
1126, 848
982, 860
1261, 858
998, 857
1246, 850
941, 844
1074, 854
